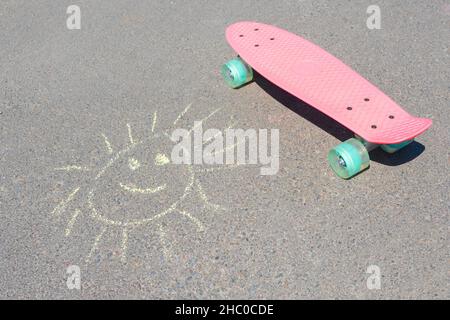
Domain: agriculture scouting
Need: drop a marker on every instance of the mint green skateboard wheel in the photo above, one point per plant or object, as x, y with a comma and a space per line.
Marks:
348, 158
236, 73
391, 148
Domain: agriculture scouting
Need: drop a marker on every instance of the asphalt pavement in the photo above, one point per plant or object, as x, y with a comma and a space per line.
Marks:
85, 179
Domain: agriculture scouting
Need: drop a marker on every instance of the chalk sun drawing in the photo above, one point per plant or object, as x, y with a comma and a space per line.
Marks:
145, 179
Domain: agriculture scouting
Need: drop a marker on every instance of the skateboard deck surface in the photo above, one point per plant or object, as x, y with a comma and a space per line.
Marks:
323, 81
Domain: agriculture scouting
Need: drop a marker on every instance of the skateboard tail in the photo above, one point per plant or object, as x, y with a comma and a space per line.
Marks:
402, 132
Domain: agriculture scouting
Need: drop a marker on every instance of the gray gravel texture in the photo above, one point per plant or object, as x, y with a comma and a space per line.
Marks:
300, 234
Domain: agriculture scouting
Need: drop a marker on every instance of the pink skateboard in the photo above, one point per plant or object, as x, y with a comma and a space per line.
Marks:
326, 83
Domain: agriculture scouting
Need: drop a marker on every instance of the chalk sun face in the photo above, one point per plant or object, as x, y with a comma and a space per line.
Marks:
137, 186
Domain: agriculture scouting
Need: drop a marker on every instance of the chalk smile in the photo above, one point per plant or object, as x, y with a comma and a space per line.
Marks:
133, 189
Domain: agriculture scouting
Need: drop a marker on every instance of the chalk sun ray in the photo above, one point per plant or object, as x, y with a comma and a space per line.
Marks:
219, 133
72, 168
155, 114
181, 115
193, 219
94, 247
234, 145
61, 207
222, 168
166, 248
108, 144
124, 245
130, 134
204, 119
71, 222
205, 199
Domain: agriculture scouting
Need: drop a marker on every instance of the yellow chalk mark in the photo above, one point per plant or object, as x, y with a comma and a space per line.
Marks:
204, 119
108, 144
107, 221
225, 167
164, 243
134, 189
155, 114
130, 134
204, 197
197, 222
72, 222
95, 245
229, 147
133, 164
62, 205
72, 168
99, 217
113, 159
161, 159
219, 133
182, 114
124, 246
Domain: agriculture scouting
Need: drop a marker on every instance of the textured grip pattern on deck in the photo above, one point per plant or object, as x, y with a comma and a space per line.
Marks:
323, 81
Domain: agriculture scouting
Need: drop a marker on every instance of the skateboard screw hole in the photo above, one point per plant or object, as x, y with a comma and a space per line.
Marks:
391, 117
374, 126
366, 99
256, 45
241, 35
349, 108
272, 38
256, 29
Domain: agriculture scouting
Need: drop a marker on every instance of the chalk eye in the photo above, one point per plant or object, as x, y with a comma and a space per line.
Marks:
161, 159
133, 164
